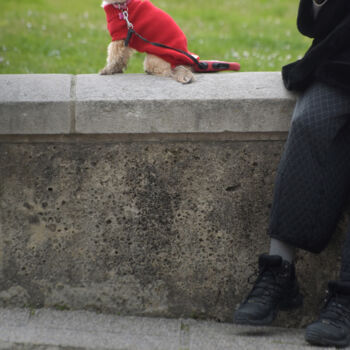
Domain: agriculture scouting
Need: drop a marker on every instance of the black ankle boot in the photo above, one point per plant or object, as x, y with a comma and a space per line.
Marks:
275, 289
333, 326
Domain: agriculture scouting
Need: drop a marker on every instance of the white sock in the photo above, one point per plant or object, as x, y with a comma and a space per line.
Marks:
284, 250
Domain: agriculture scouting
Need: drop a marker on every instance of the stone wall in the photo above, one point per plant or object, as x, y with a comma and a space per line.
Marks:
136, 195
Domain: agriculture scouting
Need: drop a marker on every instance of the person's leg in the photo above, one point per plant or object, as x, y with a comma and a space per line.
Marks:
311, 186
313, 178
284, 250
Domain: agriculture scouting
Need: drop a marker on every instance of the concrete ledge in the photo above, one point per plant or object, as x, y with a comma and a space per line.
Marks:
35, 104
170, 225
141, 104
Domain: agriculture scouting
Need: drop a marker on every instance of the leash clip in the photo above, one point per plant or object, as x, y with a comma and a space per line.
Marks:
126, 18
129, 25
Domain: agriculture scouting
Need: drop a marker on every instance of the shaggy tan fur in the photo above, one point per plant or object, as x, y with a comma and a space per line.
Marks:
118, 57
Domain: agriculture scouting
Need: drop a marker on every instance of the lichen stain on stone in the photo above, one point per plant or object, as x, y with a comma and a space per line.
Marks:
14, 296
37, 229
38, 235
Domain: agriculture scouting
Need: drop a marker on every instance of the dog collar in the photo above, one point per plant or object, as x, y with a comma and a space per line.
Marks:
121, 5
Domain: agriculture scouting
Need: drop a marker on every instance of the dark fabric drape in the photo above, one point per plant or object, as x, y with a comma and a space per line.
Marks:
328, 58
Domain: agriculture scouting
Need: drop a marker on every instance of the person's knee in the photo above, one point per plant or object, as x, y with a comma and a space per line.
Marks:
301, 125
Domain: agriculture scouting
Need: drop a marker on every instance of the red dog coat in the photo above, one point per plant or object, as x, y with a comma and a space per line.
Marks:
154, 25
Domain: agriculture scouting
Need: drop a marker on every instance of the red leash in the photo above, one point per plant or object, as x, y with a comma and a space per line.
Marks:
216, 66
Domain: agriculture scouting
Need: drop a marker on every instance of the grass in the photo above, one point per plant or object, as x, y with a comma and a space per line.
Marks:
70, 36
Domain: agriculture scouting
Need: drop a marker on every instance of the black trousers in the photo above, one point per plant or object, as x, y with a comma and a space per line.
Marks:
313, 178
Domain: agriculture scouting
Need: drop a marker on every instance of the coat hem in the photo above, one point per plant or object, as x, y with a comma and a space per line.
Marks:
296, 244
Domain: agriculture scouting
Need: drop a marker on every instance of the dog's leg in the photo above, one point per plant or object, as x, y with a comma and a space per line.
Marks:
182, 74
157, 66
117, 59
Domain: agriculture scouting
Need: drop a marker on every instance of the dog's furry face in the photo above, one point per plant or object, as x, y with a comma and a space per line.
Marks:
109, 2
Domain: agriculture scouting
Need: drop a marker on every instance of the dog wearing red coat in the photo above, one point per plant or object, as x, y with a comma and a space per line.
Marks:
156, 26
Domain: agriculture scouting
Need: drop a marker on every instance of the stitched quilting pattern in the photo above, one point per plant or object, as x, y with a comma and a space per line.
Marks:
313, 179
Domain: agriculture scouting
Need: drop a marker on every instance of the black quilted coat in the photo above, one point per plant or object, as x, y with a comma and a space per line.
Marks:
328, 58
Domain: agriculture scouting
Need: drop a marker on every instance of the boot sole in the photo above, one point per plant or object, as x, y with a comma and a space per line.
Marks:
316, 338
249, 322
289, 305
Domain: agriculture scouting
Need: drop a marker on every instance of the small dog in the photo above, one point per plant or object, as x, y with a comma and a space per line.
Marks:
156, 26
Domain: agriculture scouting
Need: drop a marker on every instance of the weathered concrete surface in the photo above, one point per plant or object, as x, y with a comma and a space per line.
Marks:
141, 104
143, 228
35, 104
243, 102
158, 208
54, 330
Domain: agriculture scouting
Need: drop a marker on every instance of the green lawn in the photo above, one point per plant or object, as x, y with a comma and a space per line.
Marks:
70, 36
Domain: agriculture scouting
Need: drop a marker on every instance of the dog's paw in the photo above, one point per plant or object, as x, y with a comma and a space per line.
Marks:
110, 71
183, 75
104, 71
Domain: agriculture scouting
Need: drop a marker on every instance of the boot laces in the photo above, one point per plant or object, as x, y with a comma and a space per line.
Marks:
265, 287
335, 309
